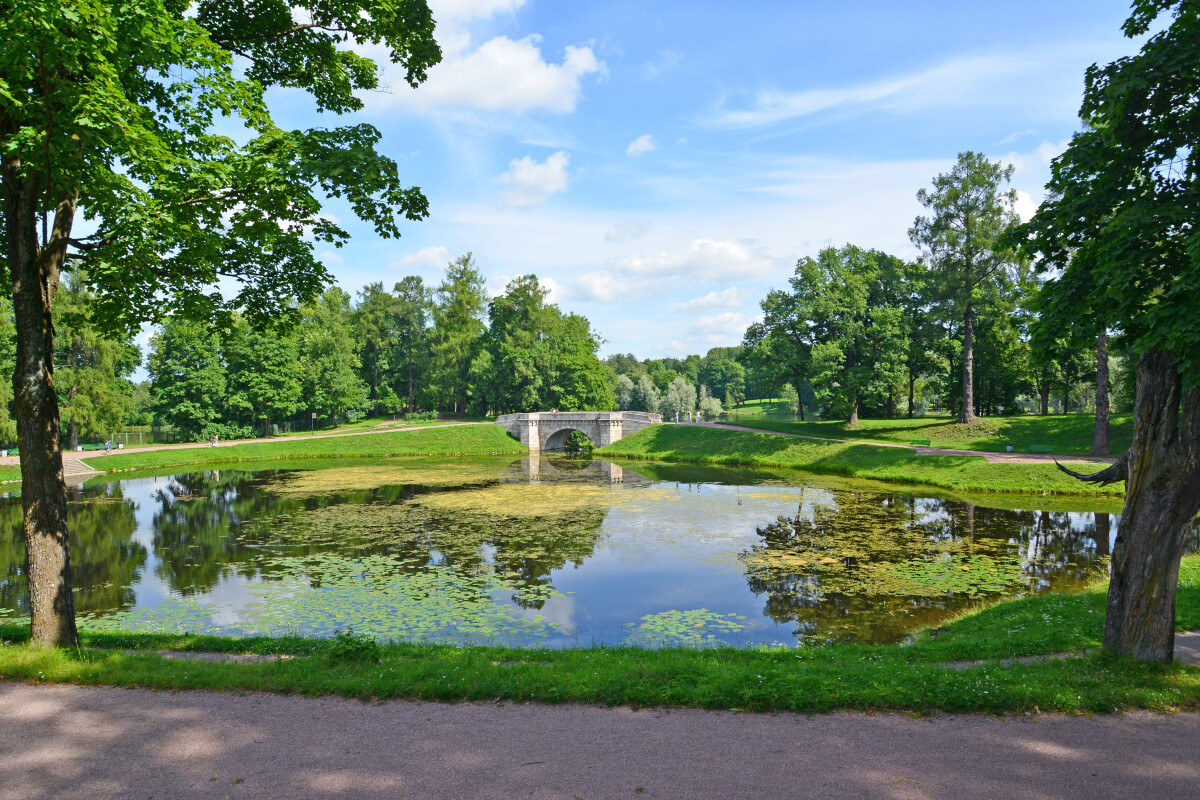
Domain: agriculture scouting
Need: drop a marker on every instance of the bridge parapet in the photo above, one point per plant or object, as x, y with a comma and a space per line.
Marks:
547, 430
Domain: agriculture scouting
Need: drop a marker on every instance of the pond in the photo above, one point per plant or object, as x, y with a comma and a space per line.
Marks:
551, 552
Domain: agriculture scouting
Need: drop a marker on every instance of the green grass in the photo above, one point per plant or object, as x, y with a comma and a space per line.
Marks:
438, 440
817, 678
892, 465
1070, 434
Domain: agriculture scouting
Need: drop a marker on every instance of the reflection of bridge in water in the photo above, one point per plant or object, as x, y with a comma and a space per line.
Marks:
536, 469
548, 430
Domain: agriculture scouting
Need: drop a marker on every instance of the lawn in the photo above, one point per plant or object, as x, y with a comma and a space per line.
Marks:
472, 440
806, 678
893, 465
1070, 434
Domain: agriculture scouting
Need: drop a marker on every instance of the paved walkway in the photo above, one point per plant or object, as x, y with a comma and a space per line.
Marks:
80, 742
995, 458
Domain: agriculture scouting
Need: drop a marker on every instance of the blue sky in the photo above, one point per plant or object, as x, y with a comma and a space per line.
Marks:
661, 165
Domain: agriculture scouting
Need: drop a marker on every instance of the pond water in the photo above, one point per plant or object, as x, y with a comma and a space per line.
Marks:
550, 552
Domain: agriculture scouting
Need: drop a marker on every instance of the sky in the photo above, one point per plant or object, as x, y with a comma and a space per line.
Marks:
661, 165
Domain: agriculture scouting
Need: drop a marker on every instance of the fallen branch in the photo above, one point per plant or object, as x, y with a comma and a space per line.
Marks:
1114, 474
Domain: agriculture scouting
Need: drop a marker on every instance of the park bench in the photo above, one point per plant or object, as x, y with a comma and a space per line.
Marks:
919, 443
1040, 448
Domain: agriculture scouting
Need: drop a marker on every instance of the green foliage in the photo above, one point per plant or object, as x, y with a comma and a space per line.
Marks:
962, 238
187, 376
91, 368
264, 375
791, 400
327, 361
1122, 206
459, 303
353, 647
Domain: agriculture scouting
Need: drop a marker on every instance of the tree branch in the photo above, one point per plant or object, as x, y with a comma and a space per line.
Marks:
1116, 473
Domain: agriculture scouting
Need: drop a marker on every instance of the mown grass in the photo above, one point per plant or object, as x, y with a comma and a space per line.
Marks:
1070, 434
892, 465
813, 678
470, 440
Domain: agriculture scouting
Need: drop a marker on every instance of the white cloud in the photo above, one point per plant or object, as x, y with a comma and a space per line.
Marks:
330, 257
531, 182
704, 260
640, 146
989, 80
500, 75
437, 257
727, 298
1025, 207
604, 287
1039, 159
624, 232
471, 9
666, 61
1012, 137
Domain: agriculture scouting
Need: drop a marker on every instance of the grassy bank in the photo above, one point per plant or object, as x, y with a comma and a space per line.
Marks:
472, 440
1069, 434
893, 465
913, 677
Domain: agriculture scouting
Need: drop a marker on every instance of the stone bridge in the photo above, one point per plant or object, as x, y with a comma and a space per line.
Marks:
547, 430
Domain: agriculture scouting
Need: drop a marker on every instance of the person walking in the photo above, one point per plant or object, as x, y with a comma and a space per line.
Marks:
108, 447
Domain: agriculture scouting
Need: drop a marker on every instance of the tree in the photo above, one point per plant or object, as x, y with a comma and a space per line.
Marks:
374, 323
969, 212
111, 108
624, 393
93, 369
412, 315
790, 398
328, 364
457, 326
645, 395
858, 339
187, 376
1119, 229
781, 345
264, 375
679, 399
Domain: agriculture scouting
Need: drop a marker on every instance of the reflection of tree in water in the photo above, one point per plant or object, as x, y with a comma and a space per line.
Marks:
208, 524
872, 567
105, 559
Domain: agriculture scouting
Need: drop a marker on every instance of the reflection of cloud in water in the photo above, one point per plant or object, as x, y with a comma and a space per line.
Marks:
226, 600
558, 611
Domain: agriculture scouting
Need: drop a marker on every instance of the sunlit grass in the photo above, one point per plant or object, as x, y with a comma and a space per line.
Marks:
894, 465
1066, 434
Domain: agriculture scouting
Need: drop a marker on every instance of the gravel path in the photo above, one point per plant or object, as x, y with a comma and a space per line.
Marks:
80, 742
994, 458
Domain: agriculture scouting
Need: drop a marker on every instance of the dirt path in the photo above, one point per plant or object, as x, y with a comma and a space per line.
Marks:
71, 741
994, 458
75, 455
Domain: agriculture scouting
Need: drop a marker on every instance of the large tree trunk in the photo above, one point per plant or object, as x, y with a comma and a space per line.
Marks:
1044, 392
968, 368
1100, 445
35, 272
854, 411
1162, 496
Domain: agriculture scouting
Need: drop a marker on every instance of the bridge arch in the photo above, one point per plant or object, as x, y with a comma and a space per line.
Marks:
546, 430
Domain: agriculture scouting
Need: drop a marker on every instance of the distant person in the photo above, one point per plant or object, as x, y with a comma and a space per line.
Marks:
108, 446
697, 417
676, 416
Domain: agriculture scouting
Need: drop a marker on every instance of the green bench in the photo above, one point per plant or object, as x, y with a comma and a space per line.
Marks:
91, 447
1040, 448
919, 443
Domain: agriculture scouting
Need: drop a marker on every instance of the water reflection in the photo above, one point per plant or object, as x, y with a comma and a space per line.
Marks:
871, 567
556, 551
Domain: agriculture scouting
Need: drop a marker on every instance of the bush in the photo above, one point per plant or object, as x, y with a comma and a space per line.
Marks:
351, 646
223, 430
420, 416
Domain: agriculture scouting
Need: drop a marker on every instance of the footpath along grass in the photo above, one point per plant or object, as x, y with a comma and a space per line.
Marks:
893, 465
1068, 434
816, 678
470, 440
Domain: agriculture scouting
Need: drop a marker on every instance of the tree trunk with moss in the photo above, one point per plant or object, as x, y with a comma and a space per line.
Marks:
1162, 495
34, 267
